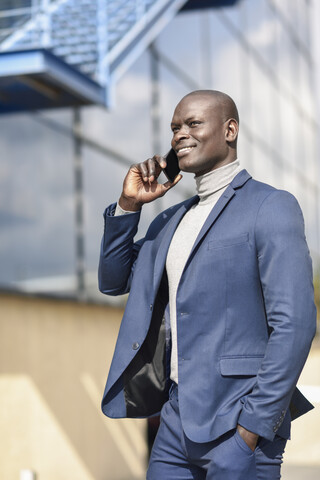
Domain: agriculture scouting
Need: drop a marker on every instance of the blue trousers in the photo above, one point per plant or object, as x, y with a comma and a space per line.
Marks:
175, 457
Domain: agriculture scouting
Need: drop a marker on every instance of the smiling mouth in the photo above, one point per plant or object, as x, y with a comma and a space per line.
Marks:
184, 150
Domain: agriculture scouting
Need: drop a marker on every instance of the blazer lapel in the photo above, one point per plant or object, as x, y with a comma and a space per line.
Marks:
225, 198
167, 235
215, 212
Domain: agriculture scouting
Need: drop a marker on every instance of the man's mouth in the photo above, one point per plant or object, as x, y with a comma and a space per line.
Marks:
183, 150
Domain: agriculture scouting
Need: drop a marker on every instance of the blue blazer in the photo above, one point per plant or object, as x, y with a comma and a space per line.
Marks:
245, 314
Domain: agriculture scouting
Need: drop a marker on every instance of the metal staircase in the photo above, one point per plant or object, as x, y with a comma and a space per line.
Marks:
70, 52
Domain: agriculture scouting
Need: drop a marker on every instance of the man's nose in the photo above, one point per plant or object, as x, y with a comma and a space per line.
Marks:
182, 133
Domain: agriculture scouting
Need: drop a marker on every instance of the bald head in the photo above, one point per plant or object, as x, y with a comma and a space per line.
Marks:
218, 100
205, 131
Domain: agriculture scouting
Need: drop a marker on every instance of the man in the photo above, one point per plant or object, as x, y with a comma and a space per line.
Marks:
220, 314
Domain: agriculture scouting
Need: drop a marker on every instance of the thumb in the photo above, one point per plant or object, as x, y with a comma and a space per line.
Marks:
166, 186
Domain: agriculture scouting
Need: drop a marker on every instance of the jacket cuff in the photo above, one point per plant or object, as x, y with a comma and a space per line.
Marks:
118, 225
114, 210
119, 211
255, 425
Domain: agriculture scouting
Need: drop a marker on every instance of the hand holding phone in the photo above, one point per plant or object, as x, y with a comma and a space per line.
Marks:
140, 184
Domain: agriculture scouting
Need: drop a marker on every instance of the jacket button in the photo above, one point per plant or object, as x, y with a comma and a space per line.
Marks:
151, 307
135, 345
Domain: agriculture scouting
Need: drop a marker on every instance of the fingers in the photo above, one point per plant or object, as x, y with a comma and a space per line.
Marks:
140, 184
151, 168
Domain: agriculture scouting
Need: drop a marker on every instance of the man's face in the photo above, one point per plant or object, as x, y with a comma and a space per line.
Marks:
199, 134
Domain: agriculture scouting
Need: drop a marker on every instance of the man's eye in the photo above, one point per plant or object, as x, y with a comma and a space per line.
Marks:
174, 129
194, 123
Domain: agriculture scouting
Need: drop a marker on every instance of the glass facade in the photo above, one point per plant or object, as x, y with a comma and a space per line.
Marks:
257, 51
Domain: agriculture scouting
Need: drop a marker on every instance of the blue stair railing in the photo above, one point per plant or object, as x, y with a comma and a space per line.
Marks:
97, 38
72, 52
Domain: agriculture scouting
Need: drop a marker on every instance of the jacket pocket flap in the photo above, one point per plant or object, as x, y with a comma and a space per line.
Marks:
229, 241
240, 365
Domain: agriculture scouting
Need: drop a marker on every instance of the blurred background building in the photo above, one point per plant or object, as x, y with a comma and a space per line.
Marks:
86, 89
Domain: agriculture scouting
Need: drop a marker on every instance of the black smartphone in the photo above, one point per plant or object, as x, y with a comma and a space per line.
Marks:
172, 169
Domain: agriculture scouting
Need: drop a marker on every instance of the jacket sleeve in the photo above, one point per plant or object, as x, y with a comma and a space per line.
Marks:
118, 252
286, 280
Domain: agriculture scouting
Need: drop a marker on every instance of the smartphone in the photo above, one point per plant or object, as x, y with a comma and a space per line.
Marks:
172, 169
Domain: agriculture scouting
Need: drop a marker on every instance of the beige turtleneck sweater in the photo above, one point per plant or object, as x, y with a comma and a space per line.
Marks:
210, 187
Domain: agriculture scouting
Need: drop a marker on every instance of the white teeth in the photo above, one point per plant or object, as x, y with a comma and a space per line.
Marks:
185, 149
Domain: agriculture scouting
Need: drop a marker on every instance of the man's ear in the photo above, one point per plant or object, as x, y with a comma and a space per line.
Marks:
232, 130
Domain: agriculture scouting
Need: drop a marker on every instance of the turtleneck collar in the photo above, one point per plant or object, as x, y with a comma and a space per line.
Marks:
210, 183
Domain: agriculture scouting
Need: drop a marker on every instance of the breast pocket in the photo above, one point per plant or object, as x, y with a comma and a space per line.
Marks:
228, 241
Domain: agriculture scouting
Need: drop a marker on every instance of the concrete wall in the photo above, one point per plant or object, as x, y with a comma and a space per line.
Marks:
302, 456
54, 358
